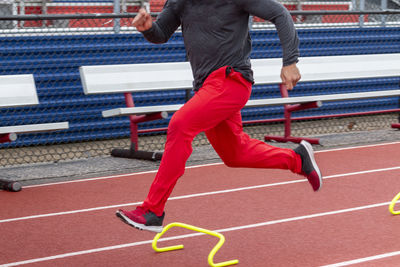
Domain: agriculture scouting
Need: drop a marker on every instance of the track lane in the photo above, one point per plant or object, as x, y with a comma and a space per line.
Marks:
46, 236
62, 234
308, 242
134, 188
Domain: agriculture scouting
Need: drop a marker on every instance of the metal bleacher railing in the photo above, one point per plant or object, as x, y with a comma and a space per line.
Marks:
49, 40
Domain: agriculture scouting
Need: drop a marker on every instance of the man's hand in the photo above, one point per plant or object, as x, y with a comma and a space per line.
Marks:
290, 75
142, 21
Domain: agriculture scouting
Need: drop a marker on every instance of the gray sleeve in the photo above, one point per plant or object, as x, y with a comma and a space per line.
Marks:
165, 25
277, 14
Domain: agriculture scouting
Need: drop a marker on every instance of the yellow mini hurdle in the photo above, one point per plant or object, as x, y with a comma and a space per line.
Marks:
197, 229
391, 206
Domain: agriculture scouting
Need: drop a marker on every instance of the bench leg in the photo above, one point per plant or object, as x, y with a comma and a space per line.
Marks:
397, 125
9, 185
288, 120
132, 153
288, 109
10, 137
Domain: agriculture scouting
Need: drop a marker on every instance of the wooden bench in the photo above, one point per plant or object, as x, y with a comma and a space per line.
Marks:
129, 78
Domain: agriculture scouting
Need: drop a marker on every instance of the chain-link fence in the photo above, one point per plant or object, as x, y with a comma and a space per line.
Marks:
50, 40
332, 16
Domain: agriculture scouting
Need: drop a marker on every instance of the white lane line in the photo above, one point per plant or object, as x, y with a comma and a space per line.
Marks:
117, 176
249, 226
361, 260
191, 167
357, 147
138, 203
193, 195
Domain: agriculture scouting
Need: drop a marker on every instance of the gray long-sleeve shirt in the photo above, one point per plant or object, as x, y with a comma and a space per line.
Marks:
216, 33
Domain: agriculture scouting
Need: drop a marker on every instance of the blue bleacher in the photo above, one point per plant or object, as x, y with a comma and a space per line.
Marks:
54, 61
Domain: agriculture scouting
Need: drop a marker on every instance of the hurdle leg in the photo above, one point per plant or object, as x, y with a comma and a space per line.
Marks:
391, 206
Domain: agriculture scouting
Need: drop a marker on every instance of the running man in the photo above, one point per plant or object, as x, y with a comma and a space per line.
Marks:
218, 46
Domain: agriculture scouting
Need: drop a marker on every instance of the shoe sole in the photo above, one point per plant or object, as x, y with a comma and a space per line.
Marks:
310, 151
125, 219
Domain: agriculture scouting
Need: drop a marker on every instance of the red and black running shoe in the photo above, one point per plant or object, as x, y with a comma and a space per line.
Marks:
309, 166
142, 219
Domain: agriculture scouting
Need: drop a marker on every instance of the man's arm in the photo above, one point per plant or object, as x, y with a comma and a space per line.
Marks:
277, 14
160, 30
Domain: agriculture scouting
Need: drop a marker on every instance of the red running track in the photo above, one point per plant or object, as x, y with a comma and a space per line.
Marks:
268, 217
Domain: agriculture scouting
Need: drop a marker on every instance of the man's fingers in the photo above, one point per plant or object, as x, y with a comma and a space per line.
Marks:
294, 81
290, 75
140, 18
289, 85
287, 81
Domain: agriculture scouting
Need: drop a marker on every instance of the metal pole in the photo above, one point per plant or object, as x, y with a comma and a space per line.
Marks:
22, 11
299, 7
132, 15
117, 10
124, 7
353, 5
362, 8
44, 11
383, 7
14, 7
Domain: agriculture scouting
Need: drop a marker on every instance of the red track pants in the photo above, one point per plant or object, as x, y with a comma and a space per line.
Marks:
214, 109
